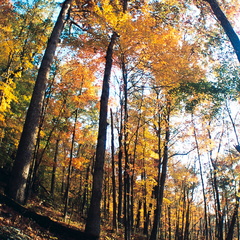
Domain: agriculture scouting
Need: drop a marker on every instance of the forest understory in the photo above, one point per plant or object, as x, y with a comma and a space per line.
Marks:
41, 221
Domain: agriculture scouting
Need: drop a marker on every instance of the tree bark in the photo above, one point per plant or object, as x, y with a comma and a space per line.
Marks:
161, 177
233, 37
120, 154
54, 169
127, 179
114, 197
70, 166
233, 220
85, 192
94, 214
18, 181
187, 221
202, 181
169, 223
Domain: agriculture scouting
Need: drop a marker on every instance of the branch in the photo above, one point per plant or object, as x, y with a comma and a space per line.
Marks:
233, 37
182, 154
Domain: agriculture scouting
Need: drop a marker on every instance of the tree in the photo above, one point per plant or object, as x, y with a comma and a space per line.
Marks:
114, 198
18, 181
160, 79
162, 167
94, 214
22, 40
233, 37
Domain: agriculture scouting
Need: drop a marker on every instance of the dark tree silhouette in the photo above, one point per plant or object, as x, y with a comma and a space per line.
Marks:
233, 37
94, 214
18, 181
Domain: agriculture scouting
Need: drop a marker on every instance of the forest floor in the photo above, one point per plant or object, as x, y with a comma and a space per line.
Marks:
16, 225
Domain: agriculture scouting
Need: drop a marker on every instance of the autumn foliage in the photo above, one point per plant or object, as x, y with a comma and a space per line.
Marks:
171, 164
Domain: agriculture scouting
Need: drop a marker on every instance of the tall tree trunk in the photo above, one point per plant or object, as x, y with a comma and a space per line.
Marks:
53, 180
183, 211
177, 228
162, 176
187, 221
138, 217
106, 194
219, 213
63, 180
85, 192
94, 214
127, 178
233, 220
202, 182
133, 166
233, 37
169, 224
70, 166
120, 154
157, 212
113, 176
18, 182
146, 211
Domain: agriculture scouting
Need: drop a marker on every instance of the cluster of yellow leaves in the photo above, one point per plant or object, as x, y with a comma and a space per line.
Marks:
111, 15
6, 48
80, 163
6, 96
22, 36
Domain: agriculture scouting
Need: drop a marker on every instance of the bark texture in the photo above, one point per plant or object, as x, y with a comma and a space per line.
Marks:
18, 181
94, 214
161, 177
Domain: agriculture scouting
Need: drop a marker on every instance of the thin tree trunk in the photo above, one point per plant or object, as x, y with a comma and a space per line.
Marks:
233, 37
157, 212
219, 211
146, 212
177, 228
85, 192
94, 215
219, 214
54, 169
233, 220
63, 180
162, 177
187, 221
113, 175
169, 224
127, 178
70, 167
18, 182
183, 210
37, 159
138, 218
32, 176
120, 180
133, 165
106, 195
202, 182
